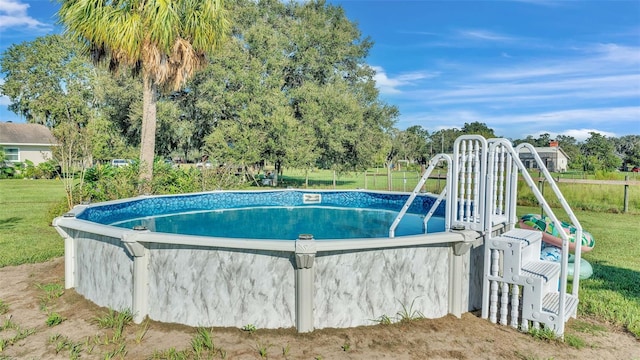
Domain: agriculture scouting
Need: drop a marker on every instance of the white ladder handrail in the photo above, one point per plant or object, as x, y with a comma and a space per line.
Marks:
556, 222
469, 167
506, 144
432, 164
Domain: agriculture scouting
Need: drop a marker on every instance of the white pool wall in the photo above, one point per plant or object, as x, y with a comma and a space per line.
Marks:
200, 281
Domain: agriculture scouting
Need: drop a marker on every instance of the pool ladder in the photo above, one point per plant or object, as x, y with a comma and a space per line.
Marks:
432, 165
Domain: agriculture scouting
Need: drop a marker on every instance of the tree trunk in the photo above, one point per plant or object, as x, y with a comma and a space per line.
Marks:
148, 135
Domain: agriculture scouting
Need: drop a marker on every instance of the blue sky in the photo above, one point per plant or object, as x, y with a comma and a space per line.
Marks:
522, 67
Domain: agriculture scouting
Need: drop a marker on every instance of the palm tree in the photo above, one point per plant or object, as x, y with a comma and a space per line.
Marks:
164, 41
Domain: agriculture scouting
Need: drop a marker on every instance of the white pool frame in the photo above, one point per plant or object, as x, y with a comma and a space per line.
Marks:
306, 283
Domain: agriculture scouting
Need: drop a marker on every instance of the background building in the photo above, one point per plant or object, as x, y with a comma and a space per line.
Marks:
22, 142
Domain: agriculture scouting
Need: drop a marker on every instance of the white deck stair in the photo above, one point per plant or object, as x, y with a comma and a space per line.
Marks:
524, 288
481, 194
519, 289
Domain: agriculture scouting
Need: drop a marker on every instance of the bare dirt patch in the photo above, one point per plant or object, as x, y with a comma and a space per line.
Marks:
24, 333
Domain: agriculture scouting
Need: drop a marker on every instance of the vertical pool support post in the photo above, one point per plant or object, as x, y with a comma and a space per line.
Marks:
140, 254
459, 255
69, 255
69, 263
305, 253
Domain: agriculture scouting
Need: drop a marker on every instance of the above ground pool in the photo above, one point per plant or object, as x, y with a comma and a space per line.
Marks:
317, 258
272, 214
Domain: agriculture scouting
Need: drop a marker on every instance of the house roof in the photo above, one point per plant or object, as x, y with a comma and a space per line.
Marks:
546, 150
25, 134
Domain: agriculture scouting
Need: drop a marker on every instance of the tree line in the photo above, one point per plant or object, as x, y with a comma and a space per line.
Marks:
290, 86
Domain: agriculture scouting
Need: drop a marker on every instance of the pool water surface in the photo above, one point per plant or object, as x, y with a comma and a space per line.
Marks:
286, 223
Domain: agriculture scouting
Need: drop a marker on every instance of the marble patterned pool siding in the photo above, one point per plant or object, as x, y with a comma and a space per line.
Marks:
217, 286
200, 286
356, 288
203, 286
103, 270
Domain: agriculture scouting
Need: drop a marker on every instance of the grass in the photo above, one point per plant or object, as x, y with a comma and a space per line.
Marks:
52, 291
202, 341
544, 334
202, 347
383, 320
19, 333
250, 328
54, 319
408, 314
113, 319
61, 343
4, 307
142, 331
26, 235
604, 198
263, 349
587, 328
574, 341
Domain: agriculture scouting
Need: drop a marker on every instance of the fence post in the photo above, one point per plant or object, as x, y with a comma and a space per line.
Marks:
404, 181
626, 194
541, 187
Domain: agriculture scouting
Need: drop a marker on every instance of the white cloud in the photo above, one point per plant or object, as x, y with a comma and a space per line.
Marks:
13, 14
392, 85
595, 59
550, 91
485, 35
583, 134
614, 53
13, 7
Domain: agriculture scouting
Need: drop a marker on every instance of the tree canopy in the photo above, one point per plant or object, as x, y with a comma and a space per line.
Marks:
48, 81
290, 87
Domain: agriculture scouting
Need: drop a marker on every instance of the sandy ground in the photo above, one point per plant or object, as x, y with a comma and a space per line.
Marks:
24, 333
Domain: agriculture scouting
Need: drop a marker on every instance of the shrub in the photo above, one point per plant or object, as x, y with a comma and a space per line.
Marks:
105, 182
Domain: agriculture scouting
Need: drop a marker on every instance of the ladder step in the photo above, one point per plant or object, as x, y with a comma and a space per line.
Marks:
546, 270
551, 303
527, 237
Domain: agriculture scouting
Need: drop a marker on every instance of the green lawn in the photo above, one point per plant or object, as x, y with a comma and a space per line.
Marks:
26, 234
612, 294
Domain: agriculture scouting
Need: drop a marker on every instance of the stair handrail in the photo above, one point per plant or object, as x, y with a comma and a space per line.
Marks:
565, 206
447, 191
467, 210
565, 239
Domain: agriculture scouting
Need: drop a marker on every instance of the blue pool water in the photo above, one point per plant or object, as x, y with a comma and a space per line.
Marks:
286, 223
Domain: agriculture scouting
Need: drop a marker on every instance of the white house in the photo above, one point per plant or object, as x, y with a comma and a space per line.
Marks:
554, 158
26, 142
